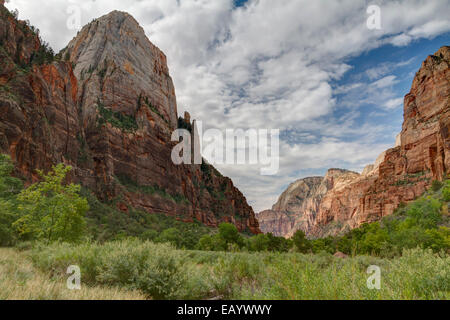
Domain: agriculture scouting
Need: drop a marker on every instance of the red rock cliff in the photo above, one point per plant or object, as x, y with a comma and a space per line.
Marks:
400, 174
108, 108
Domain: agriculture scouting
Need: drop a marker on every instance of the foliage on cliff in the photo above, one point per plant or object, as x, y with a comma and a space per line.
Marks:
423, 223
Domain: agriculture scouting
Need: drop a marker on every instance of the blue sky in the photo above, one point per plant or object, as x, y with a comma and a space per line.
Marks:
240, 3
312, 69
368, 67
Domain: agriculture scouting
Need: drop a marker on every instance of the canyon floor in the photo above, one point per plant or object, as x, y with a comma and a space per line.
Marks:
40, 274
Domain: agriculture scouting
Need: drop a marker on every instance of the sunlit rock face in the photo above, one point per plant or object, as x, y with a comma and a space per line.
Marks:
421, 154
108, 108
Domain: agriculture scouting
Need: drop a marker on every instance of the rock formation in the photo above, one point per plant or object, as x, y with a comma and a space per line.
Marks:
107, 107
343, 200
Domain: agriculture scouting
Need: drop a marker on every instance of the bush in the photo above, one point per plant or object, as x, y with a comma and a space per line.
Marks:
436, 185
206, 243
52, 210
229, 233
300, 241
10, 187
259, 242
446, 191
106, 222
154, 269
165, 273
172, 236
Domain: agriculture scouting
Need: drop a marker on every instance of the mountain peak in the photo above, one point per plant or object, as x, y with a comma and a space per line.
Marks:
114, 59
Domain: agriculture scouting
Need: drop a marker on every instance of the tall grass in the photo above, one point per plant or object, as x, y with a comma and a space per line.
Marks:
160, 271
20, 280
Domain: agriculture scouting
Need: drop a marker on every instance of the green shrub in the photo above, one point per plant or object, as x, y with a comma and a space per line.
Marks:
51, 209
259, 242
436, 185
105, 222
446, 191
229, 233
302, 244
154, 269
162, 272
10, 187
116, 119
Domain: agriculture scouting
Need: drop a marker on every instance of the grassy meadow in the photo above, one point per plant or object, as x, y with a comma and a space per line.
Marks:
135, 269
21, 280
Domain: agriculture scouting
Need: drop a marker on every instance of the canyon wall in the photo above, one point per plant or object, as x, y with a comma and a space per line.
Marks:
344, 200
107, 107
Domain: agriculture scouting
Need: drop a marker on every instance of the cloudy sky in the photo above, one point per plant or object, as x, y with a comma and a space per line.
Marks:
312, 69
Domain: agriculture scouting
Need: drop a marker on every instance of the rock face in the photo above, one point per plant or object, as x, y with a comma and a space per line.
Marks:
304, 196
107, 107
345, 200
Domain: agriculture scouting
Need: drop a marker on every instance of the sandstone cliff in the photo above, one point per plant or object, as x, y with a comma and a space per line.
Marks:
401, 174
107, 107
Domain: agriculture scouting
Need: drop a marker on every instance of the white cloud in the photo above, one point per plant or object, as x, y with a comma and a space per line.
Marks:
385, 82
269, 64
384, 68
394, 103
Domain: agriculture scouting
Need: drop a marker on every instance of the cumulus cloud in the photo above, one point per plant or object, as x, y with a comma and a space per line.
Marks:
270, 64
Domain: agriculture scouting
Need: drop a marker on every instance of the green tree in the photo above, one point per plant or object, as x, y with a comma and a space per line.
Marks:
229, 233
9, 188
446, 191
205, 243
259, 242
279, 244
325, 244
171, 235
436, 185
212, 243
303, 245
52, 210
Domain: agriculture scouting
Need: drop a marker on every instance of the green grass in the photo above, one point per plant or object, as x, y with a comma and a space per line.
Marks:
21, 280
160, 271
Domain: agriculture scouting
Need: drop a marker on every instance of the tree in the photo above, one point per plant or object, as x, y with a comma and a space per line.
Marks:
206, 243
229, 233
259, 242
9, 188
51, 210
171, 235
303, 245
446, 191
279, 244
